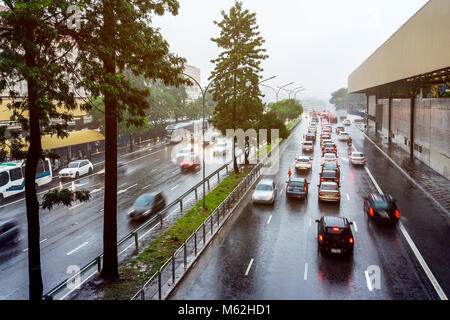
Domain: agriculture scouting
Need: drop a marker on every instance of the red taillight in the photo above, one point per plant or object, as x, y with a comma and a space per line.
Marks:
364, 159
371, 211
305, 188
320, 193
322, 179
397, 214
297, 162
350, 240
308, 162
338, 194
335, 229
320, 238
337, 180
287, 188
351, 158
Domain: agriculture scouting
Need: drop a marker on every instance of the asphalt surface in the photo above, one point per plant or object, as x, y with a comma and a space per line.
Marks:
271, 252
73, 236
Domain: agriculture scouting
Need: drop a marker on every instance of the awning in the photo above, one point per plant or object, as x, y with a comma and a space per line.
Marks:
74, 138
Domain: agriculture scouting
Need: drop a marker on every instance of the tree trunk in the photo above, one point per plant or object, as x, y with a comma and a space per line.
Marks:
131, 142
110, 269
235, 165
31, 201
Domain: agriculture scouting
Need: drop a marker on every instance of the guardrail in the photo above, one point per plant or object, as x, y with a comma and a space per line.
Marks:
64, 288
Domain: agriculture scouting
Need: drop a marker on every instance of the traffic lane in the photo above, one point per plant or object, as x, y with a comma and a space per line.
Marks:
87, 220
330, 278
427, 227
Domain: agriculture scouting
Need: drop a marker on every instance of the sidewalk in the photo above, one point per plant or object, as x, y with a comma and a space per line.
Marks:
433, 183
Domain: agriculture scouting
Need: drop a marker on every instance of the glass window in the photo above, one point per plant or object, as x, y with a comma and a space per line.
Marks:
15, 174
4, 178
46, 166
40, 167
264, 187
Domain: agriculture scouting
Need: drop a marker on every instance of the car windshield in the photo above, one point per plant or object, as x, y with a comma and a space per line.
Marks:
185, 151
189, 159
73, 165
144, 200
264, 187
330, 165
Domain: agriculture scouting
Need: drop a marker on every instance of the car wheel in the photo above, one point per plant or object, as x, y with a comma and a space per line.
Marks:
90, 171
77, 175
1, 198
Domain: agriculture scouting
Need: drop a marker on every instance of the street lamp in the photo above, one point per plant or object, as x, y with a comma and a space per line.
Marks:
295, 93
277, 91
290, 91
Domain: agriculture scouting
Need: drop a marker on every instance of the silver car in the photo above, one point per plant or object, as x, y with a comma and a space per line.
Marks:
329, 191
357, 158
265, 192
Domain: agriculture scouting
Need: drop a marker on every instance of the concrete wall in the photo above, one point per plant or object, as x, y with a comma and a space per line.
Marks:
431, 129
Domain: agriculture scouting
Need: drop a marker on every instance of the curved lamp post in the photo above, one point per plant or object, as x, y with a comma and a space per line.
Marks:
279, 88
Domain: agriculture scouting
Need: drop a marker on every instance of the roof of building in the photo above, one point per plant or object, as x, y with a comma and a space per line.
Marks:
417, 48
74, 138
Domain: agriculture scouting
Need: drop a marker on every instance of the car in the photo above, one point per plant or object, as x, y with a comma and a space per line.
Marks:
313, 123
343, 136
310, 137
265, 192
146, 205
381, 207
303, 163
331, 165
76, 169
328, 144
324, 136
329, 157
328, 149
9, 233
325, 141
357, 158
220, 148
329, 175
209, 139
335, 236
297, 188
339, 129
182, 153
307, 146
190, 162
347, 122
312, 130
329, 191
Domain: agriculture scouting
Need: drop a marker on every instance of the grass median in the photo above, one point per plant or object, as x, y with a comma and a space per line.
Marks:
134, 273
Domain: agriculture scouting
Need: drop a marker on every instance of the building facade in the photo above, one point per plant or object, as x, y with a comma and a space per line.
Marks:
194, 91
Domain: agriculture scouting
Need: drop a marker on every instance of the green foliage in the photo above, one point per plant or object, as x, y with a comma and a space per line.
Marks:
286, 109
63, 197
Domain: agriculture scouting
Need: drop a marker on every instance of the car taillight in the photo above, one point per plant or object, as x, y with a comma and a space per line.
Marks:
337, 180
322, 179
397, 214
287, 188
338, 194
297, 162
320, 238
335, 229
350, 240
309, 162
320, 193
351, 158
305, 188
364, 159
371, 211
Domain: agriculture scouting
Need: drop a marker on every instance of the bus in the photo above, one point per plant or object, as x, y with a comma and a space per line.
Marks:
178, 132
12, 177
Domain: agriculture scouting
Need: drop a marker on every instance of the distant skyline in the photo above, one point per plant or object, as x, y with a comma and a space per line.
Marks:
316, 44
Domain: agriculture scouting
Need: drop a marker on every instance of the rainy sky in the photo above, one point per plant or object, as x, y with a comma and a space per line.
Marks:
316, 44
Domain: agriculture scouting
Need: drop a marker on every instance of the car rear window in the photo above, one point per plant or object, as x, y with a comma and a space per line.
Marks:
382, 205
328, 187
302, 160
357, 154
296, 184
264, 187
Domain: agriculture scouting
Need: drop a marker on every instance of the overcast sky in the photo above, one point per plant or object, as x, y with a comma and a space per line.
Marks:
315, 43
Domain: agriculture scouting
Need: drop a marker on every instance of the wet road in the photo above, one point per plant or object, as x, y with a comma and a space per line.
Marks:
271, 252
73, 236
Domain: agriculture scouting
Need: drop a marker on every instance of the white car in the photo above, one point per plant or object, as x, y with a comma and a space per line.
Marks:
343, 136
220, 148
347, 122
307, 146
329, 191
357, 158
182, 153
265, 192
75, 169
329, 157
303, 163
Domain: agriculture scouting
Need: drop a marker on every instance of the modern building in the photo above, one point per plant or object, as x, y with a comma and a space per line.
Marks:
406, 82
194, 91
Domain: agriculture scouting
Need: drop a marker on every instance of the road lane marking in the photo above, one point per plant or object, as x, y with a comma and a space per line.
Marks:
249, 266
77, 205
368, 281
354, 225
26, 249
416, 252
281, 191
348, 197
342, 178
76, 249
305, 276
96, 190
270, 218
122, 185
173, 188
146, 186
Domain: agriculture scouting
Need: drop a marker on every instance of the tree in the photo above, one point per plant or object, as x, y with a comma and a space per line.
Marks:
35, 47
236, 72
286, 109
116, 36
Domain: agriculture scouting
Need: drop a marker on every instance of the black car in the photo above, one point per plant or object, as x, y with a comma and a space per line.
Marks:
297, 188
334, 235
381, 207
9, 233
147, 204
331, 165
329, 175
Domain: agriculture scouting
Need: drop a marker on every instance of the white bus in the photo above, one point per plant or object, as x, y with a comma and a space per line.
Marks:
12, 177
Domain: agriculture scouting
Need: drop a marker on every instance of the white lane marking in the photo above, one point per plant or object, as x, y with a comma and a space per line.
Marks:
189, 199
81, 184
174, 211
249, 266
125, 190
76, 249
153, 170
122, 185
132, 186
77, 205
26, 249
281, 191
422, 262
146, 186
270, 218
348, 197
96, 190
416, 252
173, 188
310, 222
368, 281
305, 276
355, 226
342, 178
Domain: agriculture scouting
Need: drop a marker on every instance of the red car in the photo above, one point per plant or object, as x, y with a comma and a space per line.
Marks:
190, 162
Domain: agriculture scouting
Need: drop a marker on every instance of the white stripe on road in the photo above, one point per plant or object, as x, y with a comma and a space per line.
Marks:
76, 249
342, 178
77, 205
368, 281
281, 191
146, 186
305, 276
348, 197
414, 249
354, 225
173, 188
96, 190
24, 250
270, 218
249, 266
